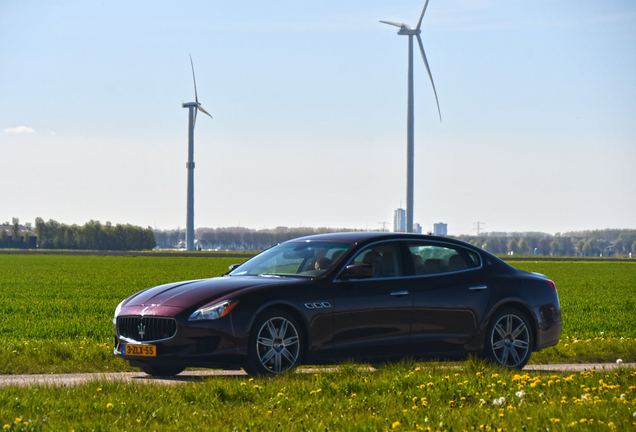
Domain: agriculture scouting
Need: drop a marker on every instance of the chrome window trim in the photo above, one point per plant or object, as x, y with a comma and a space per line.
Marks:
149, 316
481, 261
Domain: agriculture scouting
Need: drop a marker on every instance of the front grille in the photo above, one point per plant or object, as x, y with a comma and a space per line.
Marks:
146, 328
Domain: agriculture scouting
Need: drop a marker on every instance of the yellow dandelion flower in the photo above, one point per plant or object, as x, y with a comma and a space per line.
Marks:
109, 405
417, 369
529, 418
395, 424
26, 423
312, 392
6, 426
318, 391
99, 389
251, 379
280, 394
138, 420
18, 419
243, 384
354, 395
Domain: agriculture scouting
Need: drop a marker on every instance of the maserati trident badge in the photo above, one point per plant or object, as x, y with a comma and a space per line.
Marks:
141, 328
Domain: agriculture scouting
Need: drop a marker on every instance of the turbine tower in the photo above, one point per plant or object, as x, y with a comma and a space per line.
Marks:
193, 107
410, 32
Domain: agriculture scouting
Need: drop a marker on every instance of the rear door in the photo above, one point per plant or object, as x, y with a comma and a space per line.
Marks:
450, 292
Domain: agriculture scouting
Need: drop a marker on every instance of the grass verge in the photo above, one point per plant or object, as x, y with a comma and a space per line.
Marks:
398, 397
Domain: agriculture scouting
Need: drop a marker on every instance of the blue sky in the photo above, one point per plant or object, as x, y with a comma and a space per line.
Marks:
538, 100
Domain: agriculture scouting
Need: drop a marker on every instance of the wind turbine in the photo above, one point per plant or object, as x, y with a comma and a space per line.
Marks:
405, 29
193, 107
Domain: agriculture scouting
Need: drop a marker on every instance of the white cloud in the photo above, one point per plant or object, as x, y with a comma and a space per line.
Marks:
20, 130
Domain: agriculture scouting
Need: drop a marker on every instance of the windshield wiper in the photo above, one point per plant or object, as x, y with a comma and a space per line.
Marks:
271, 275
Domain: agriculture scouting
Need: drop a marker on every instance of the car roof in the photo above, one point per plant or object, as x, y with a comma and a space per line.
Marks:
364, 237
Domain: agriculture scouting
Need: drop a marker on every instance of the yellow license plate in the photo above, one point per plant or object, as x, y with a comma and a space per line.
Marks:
139, 350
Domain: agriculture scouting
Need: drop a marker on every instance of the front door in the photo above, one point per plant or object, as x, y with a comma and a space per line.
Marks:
372, 316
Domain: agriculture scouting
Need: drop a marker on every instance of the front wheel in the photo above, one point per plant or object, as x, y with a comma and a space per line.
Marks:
275, 344
509, 339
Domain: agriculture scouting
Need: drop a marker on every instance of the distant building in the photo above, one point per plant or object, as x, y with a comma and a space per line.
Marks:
399, 220
7, 240
440, 229
417, 228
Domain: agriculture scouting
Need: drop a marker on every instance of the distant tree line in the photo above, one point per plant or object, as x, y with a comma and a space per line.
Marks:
93, 236
238, 238
608, 242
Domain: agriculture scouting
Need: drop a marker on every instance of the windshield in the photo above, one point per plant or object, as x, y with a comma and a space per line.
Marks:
306, 259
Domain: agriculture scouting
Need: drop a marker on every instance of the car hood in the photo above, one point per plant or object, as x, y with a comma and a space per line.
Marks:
188, 293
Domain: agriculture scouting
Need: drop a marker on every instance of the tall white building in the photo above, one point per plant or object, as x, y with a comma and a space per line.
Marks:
399, 220
417, 228
440, 229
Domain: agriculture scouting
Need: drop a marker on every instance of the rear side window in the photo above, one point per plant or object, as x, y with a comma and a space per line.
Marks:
432, 258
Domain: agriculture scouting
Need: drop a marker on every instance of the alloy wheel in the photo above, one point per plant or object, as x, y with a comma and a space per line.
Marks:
510, 340
277, 345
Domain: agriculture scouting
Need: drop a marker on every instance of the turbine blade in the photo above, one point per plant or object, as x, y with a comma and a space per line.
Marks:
419, 23
194, 122
196, 98
428, 69
392, 23
205, 112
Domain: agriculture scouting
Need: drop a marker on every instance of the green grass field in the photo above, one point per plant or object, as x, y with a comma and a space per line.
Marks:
56, 317
57, 310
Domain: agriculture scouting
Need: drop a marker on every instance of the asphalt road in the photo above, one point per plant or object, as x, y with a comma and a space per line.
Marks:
197, 376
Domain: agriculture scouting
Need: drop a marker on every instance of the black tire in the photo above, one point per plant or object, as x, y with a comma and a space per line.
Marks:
276, 344
509, 339
160, 370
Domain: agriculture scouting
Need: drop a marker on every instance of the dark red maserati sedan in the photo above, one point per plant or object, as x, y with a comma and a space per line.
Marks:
329, 297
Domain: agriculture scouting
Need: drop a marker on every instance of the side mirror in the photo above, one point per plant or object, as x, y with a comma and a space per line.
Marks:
234, 266
357, 271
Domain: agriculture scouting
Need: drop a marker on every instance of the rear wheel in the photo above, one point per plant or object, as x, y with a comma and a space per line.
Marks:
161, 370
275, 344
509, 339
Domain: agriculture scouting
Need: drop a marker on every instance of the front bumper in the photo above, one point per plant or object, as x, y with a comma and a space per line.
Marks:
194, 344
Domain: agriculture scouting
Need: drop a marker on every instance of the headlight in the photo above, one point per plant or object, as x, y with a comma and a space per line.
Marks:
213, 312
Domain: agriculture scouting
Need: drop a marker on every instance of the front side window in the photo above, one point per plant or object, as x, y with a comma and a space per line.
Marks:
305, 259
430, 258
384, 258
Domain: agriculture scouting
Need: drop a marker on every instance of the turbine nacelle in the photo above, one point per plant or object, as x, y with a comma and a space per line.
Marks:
407, 30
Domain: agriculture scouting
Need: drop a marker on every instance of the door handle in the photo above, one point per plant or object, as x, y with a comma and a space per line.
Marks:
400, 293
478, 287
